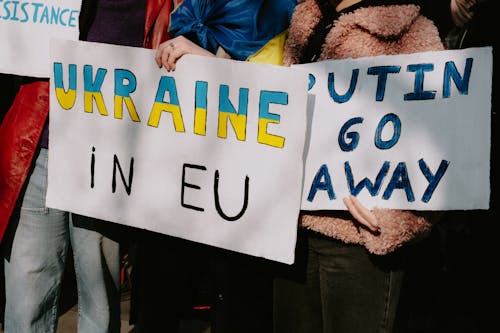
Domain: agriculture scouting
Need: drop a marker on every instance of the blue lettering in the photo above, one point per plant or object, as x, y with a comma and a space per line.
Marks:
347, 96
7, 10
36, 5
382, 72
45, 15
167, 84
396, 122
352, 136
419, 92
225, 104
96, 85
122, 89
312, 81
462, 83
399, 180
61, 18
14, 15
365, 182
432, 179
25, 12
54, 17
73, 18
323, 182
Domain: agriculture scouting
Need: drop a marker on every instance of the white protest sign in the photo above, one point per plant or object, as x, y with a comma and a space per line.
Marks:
405, 132
26, 28
212, 152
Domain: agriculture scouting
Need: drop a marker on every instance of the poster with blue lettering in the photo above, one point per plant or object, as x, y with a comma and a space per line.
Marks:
26, 28
211, 152
406, 131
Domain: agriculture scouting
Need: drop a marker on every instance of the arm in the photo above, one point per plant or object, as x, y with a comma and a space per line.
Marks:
461, 12
362, 214
370, 218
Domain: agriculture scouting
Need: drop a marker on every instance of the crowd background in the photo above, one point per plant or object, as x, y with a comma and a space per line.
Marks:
452, 279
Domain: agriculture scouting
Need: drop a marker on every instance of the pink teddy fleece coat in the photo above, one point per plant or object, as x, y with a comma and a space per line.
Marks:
368, 31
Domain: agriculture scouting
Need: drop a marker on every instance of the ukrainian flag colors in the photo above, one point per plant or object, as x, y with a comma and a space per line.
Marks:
122, 94
92, 90
167, 84
265, 117
238, 119
200, 108
231, 113
66, 98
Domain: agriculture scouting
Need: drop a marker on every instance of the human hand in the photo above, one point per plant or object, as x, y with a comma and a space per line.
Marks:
170, 51
362, 214
461, 11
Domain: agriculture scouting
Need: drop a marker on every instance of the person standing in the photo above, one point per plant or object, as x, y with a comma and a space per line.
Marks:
350, 264
37, 238
240, 286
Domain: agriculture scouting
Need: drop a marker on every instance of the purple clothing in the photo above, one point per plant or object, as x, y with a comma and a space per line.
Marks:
119, 22
44, 139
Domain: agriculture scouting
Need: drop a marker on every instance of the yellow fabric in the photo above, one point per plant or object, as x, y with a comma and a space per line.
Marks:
272, 52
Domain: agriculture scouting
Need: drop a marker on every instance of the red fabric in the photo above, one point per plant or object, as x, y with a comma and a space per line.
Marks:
19, 135
157, 22
22, 126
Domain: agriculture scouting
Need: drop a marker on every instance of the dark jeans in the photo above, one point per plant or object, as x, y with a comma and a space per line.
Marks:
336, 287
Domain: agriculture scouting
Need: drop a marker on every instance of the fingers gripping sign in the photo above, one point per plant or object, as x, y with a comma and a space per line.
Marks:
362, 214
169, 52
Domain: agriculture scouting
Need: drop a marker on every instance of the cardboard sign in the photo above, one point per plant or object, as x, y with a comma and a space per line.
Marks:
26, 28
406, 132
212, 152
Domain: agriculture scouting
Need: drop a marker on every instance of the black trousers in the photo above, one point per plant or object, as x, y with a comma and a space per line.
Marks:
171, 276
336, 287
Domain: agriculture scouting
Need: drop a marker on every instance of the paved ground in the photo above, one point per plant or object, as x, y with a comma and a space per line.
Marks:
68, 322
69, 313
